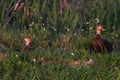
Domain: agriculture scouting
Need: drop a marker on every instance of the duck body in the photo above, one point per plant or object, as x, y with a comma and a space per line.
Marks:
26, 48
100, 45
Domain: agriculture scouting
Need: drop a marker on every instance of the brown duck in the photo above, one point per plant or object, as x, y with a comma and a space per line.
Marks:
100, 45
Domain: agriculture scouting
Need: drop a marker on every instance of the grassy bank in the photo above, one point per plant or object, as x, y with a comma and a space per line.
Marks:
51, 57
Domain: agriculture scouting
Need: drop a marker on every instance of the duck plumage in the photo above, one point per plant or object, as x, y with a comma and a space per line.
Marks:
100, 45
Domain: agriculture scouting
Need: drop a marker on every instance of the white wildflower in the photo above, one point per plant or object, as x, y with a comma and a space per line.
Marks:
54, 28
16, 55
91, 28
116, 35
82, 30
96, 20
34, 60
72, 54
68, 29
31, 24
65, 27
75, 34
43, 24
87, 22
34, 36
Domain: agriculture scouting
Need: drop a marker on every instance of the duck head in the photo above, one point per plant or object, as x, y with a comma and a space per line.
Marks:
99, 29
27, 41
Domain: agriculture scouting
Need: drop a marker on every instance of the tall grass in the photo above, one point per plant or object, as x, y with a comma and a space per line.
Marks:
106, 11
51, 58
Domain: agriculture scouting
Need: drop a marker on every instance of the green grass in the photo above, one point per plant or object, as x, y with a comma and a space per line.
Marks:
47, 26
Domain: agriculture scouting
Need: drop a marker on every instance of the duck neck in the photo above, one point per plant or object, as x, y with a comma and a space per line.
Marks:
27, 44
98, 32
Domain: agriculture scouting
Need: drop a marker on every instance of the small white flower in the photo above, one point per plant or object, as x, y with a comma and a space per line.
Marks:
68, 29
91, 28
34, 60
43, 24
16, 55
87, 22
31, 24
72, 54
96, 20
65, 27
34, 36
75, 34
116, 35
82, 30
55, 29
